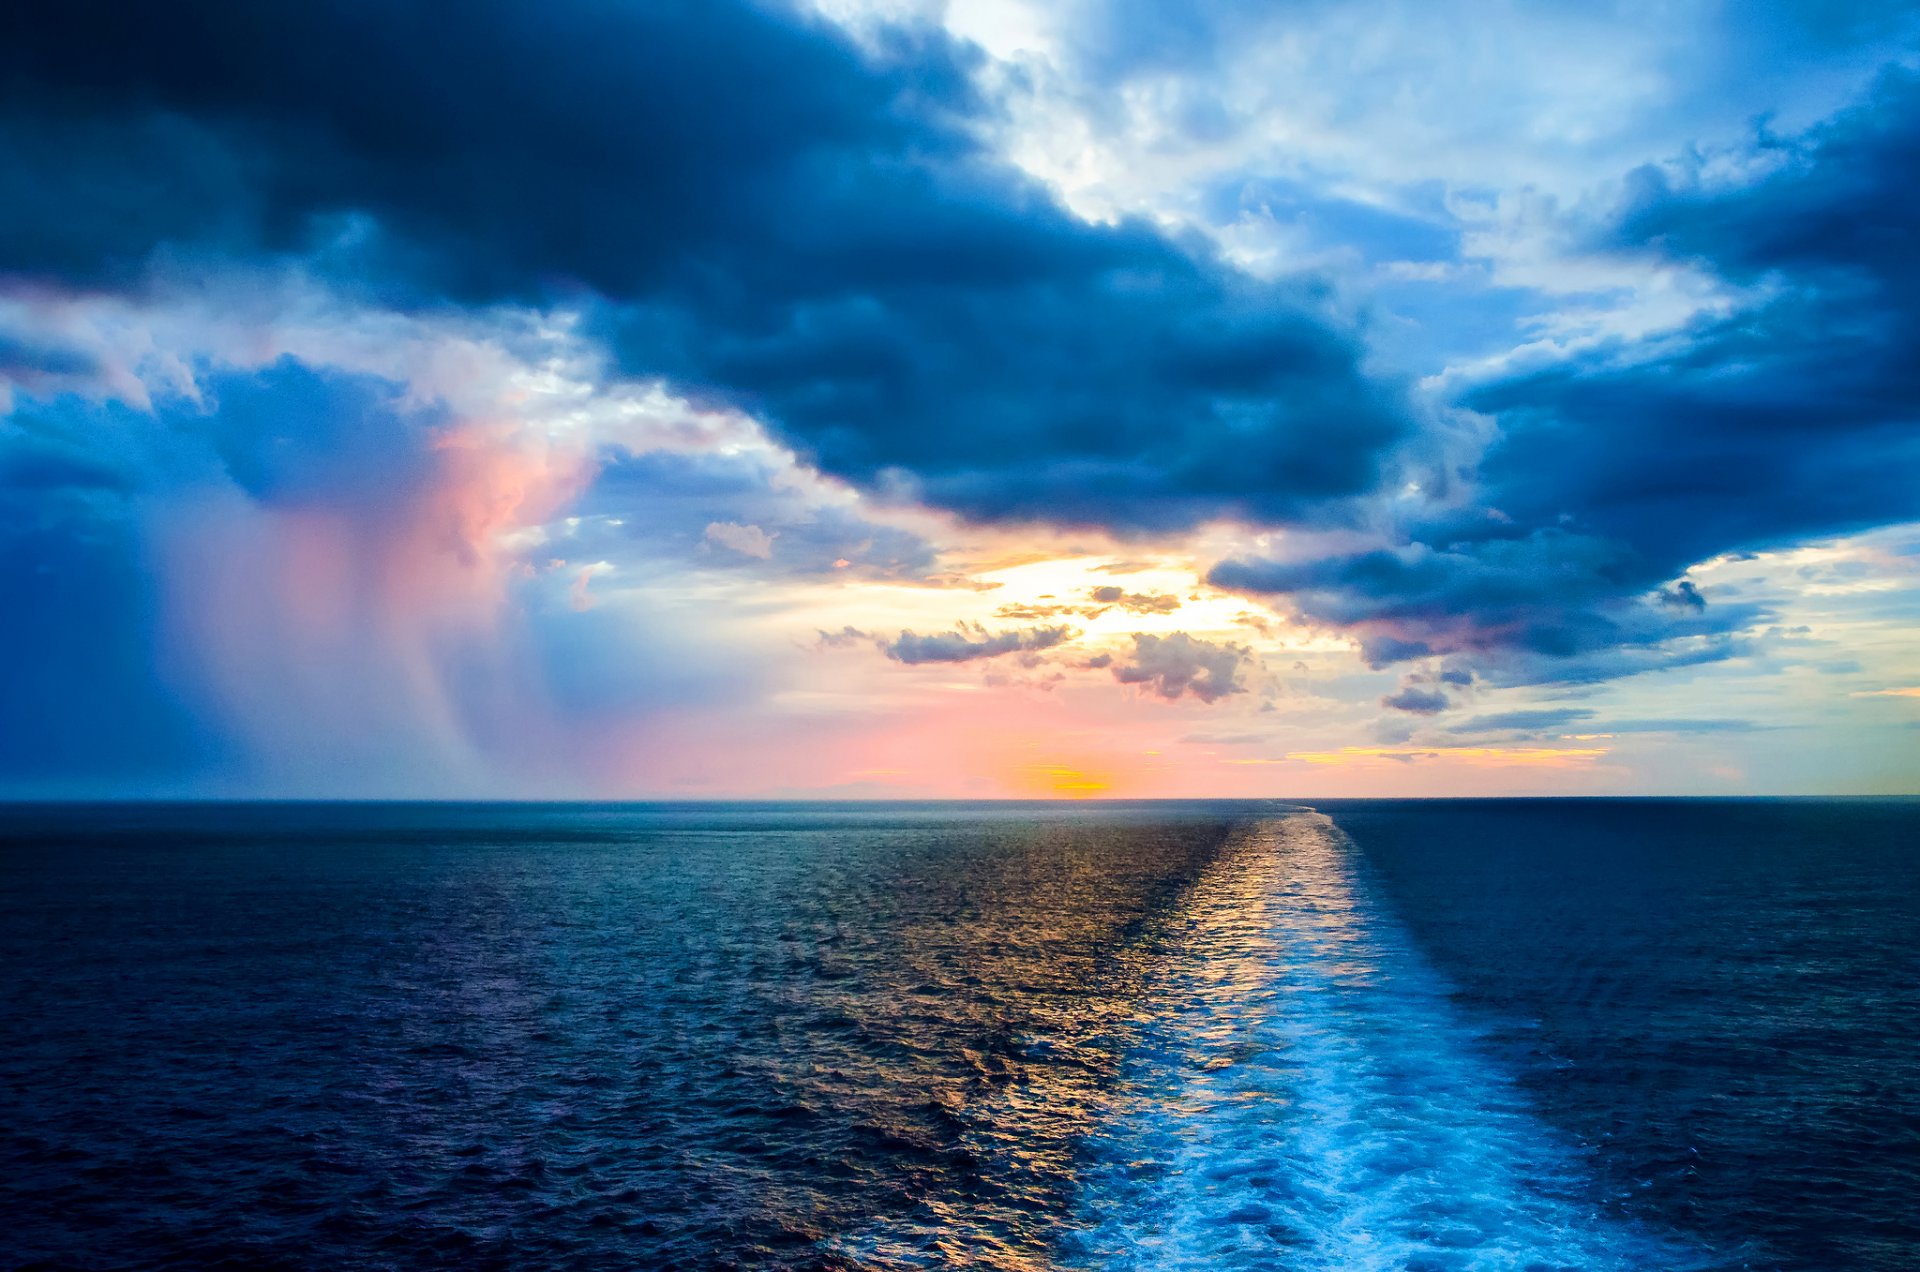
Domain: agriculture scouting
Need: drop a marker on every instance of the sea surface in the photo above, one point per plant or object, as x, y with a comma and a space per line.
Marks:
1423, 1036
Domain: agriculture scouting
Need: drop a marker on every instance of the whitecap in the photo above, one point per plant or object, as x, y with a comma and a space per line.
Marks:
1306, 1096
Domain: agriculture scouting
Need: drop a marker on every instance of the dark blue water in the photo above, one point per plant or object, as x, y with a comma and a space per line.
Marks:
1515, 1035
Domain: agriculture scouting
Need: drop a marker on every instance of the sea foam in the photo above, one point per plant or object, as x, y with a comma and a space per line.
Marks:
1306, 1096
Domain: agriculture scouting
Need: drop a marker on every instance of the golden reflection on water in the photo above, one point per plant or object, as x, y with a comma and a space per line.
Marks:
1054, 992
1028, 1103
1305, 1097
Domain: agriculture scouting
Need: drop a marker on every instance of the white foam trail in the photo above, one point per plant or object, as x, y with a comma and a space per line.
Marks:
1310, 1099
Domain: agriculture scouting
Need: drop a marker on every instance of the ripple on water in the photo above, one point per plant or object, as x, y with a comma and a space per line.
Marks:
1306, 1097
1003, 1036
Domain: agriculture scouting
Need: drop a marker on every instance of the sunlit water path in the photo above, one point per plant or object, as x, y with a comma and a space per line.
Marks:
1305, 1096
1468, 1039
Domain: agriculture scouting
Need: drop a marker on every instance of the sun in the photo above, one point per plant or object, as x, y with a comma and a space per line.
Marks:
1064, 782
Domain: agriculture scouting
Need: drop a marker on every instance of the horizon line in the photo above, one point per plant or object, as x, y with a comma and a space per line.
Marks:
13, 801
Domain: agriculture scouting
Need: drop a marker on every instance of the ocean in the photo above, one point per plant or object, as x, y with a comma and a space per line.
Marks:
1414, 1035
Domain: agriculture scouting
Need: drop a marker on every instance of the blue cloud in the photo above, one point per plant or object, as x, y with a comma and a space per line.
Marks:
83, 696
109, 681
1534, 720
741, 200
1787, 420
970, 644
289, 434
1550, 605
1417, 701
1423, 231
832, 250
664, 500
1555, 719
1618, 467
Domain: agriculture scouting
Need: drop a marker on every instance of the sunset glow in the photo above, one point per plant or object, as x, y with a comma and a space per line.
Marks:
984, 405
1022, 635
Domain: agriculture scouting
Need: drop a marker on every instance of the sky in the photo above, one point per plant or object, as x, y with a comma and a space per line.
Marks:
889, 399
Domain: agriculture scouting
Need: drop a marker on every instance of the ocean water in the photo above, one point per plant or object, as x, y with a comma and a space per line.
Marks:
1418, 1036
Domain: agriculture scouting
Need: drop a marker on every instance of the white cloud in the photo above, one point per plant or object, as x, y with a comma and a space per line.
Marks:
747, 540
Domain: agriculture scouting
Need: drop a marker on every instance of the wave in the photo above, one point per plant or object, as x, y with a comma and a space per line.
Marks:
1306, 1096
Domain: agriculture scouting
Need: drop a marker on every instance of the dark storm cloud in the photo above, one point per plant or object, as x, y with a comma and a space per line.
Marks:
1547, 606
1616, 469
781, 222
83, 694
589, 140
1376, 648
1791, 419
107, 680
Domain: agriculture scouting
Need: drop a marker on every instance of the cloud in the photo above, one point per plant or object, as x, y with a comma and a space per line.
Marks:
1682, 595
842, 639
1524, 721
662, 503
298, 575
86, 696
1616, 466
342, 570
746, 540
29, 362
1135, 602
1177, 665
1585, 721
1546, 605
1681, 725
835, 252
1804, 392
1101, 600
1473, 756
969, 643
1378, 649
1416, 700
244, 532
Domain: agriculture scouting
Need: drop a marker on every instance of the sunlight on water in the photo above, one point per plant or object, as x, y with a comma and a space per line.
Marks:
1470, 1039
1306, 1098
